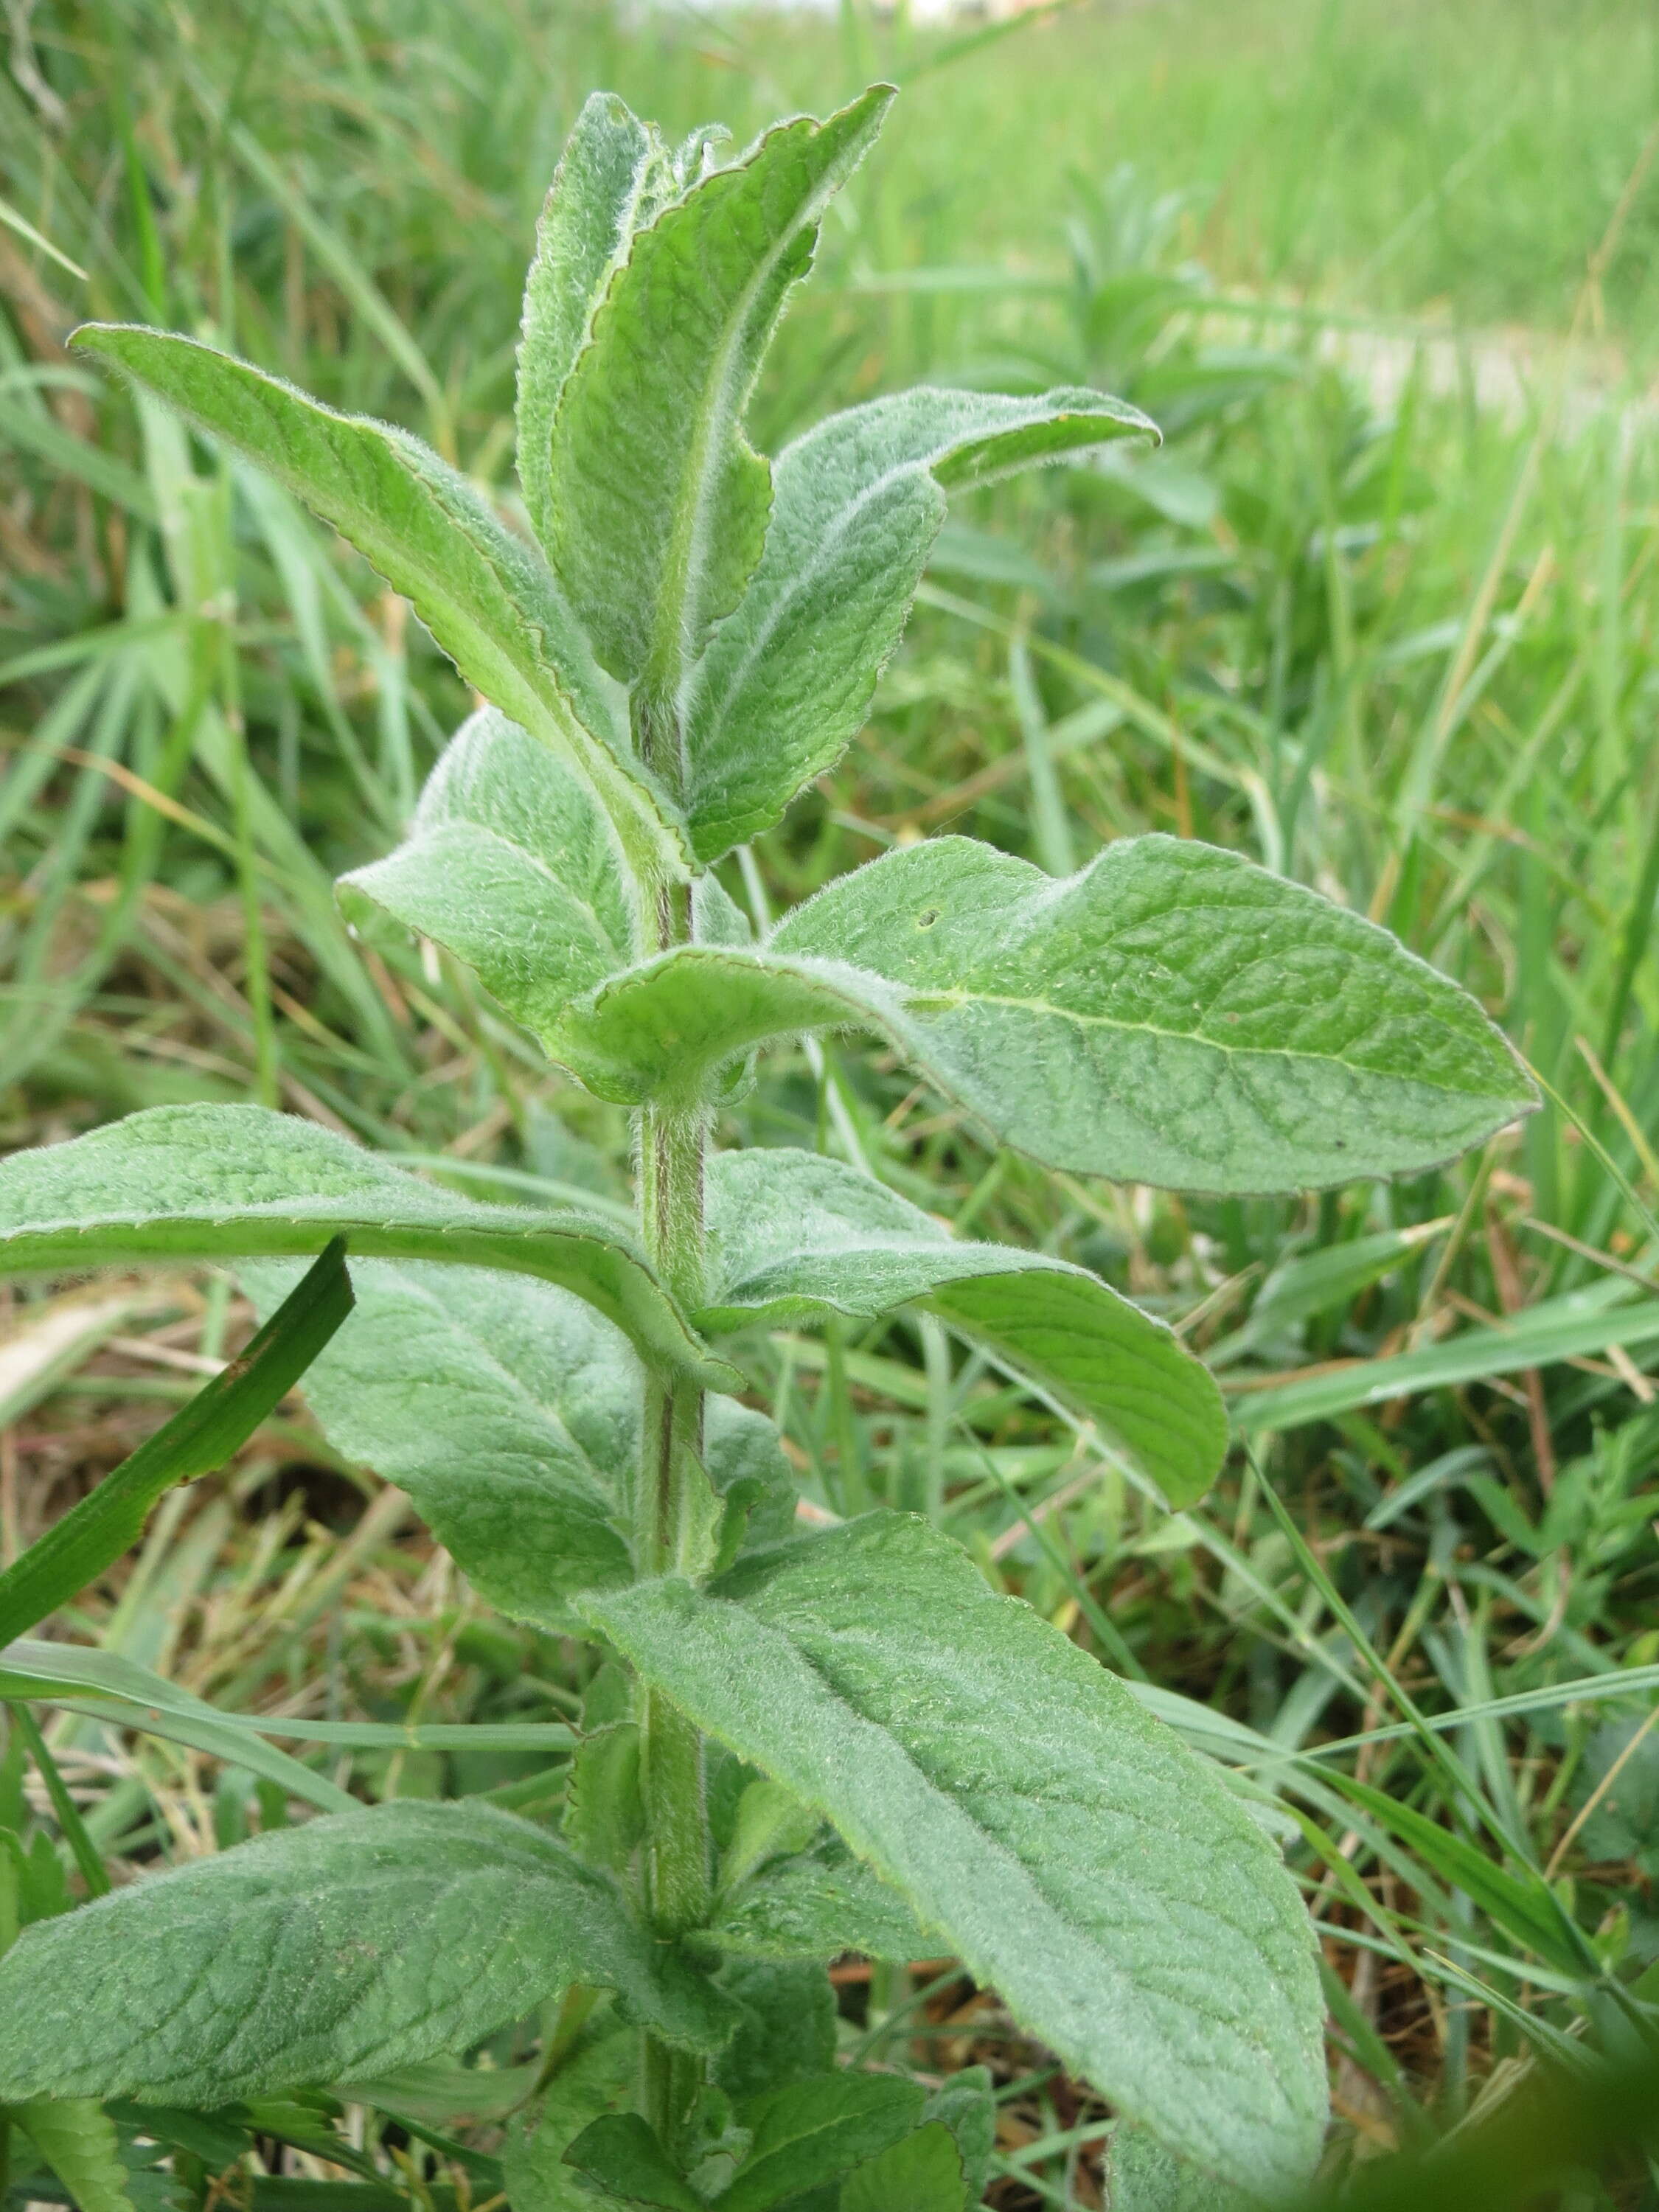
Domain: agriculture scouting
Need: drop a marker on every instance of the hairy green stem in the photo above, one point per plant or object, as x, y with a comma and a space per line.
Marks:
672, 1147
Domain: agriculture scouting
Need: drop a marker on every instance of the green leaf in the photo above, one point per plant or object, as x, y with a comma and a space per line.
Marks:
815, 1904
510, 863
787, 680
93, 1533
359, 1941
222, 1183
509, 1411
615, 175
595, 2079
1522, 1904
78, 2140
1173, 1015
1142, 2176
811, 2131
658, 504
922, 2173
660, 1031
793, 1236
620, 2153
786, 2027
1070, 1850
110, 1686
967, 2107
604, 1812
490, 604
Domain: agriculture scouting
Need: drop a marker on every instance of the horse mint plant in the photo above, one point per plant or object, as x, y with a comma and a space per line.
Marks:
800, 1743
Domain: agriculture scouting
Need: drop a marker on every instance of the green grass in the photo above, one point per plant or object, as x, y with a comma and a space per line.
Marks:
1402, 653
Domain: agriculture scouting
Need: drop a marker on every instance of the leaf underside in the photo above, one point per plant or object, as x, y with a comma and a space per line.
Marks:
793, 1236
787, 680
509, 1411
1077, 1856
358, 1942
215, 1182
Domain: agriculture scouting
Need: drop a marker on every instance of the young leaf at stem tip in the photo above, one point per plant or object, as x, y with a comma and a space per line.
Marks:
788, 678
658, 503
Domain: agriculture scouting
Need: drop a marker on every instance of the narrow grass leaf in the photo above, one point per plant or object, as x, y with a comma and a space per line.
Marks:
216, 1423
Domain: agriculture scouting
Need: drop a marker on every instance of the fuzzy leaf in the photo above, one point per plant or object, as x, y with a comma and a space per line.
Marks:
660, 1031
786, 2028
968, 2108
619, 2153
77, 2139
490, 604
658, 503
358, 1942
794, 1236
509, 1412
511, 865
922, 2173
614, 176
595, 2079
1143, 2177
815, 1904
1070, 1850
1172, 1015
222, 1183
811, 2131
786, 681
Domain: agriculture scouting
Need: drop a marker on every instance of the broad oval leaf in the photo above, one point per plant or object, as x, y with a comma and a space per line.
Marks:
509, 1411
1173, 1014
787, 680
1070, 1850
795, 1236
614, 176
221, 1183
658, 504
487, 601
511, 863
358, 1942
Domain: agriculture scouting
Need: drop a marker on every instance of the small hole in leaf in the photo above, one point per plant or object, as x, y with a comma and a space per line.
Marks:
928, 918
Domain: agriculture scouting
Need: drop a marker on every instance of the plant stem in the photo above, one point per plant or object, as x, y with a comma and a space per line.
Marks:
672, 1143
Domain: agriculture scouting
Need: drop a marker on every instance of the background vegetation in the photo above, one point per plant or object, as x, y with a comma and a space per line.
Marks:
1381, 613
